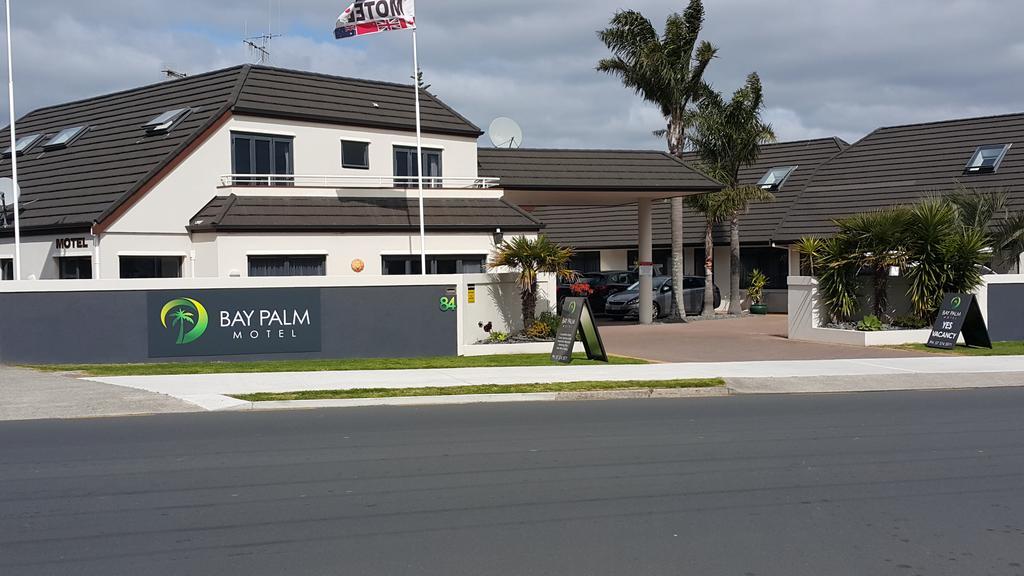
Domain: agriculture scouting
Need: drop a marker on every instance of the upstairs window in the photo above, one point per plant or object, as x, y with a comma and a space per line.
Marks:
24, 144
6, 269
355, 155
65, 138
263, 266
775, 178
166, 122
263, 157
986, 159
405, 166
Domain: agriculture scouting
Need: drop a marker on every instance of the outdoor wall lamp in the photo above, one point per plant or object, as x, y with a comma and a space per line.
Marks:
498, 236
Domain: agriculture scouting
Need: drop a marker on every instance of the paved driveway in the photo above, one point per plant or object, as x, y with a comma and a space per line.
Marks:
30, 395
751, 338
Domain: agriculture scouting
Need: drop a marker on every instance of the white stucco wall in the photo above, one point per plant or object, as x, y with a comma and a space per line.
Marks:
168, 207
231, 251
39, 254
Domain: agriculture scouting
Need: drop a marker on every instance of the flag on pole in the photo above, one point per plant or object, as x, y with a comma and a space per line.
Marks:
372, 16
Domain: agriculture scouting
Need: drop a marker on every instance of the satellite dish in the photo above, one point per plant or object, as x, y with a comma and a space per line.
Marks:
7, 188
6, 199
505, 133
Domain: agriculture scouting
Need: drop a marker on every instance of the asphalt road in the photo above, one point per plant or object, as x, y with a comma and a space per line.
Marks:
887, 483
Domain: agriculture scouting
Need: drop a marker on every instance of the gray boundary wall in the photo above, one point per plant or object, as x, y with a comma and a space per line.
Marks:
1004, 307
106, 321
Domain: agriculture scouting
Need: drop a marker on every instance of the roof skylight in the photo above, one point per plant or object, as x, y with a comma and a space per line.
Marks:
166, 121
987, 159
24, 144
65, 138
775, 177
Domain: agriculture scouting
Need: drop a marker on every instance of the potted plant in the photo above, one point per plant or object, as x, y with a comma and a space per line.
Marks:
756, 292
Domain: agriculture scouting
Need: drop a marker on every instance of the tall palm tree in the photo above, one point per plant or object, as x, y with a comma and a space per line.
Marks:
668, 71
714, 210
727, 136
531, 258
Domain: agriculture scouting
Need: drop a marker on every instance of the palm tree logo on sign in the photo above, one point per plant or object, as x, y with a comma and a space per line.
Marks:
187, 316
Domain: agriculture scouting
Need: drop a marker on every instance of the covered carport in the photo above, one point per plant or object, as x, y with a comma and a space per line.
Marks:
537, 177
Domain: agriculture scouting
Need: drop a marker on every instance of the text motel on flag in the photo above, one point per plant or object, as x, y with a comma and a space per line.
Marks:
372, 16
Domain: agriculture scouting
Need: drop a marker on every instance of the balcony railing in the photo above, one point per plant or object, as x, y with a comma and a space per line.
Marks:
335, 181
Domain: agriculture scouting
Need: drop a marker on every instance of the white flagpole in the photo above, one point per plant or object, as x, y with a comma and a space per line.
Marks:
419, 154
15, 192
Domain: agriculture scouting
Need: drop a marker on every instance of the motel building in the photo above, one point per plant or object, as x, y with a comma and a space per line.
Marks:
255, 171
253, 194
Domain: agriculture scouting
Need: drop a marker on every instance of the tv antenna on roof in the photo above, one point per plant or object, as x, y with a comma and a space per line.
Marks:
259, 45
505, 133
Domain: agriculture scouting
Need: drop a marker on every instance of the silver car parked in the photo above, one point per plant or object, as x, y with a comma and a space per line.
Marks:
626, 304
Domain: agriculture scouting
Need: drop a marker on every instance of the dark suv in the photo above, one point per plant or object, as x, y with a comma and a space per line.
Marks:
603, 284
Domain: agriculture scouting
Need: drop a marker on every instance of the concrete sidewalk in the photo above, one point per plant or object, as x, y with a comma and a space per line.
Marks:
210, 391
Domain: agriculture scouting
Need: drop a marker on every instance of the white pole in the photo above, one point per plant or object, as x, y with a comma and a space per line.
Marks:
419, 153
14, 152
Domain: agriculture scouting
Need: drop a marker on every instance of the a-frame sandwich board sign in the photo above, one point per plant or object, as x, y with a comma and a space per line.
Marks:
577, 318
960, 314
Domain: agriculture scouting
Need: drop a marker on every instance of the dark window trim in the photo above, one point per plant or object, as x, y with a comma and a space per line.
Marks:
414, 259
365, 166
51, 145
31, 141
286, 261
272, 139
969, 169
142, 257
60, 268
410, 180
774, 187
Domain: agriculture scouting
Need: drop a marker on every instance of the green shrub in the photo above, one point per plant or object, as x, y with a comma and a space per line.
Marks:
499, 336
552, 321
910, 321
538, 331
870, 324
755, 290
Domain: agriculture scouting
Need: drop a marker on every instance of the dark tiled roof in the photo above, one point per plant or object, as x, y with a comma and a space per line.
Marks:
602, 226
332, 99
903, 164
84, 183
628, 170
274, 213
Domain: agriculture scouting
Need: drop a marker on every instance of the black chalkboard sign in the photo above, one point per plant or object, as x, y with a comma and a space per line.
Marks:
959, 314
577, 319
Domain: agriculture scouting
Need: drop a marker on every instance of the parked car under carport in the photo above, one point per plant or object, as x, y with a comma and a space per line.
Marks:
626, 304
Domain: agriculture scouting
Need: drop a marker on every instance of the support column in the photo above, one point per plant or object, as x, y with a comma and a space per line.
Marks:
646, 249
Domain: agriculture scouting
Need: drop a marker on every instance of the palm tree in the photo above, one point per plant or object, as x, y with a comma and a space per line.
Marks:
945, 255
530, 258
727, 136
179, 318
880, 239
667, 71
714, 210
988, 212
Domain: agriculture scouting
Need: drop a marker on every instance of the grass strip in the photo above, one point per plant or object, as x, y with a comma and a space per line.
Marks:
998, 349
173, 369
480, 389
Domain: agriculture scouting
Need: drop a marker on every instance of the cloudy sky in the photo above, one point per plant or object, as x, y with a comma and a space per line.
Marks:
831, 67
